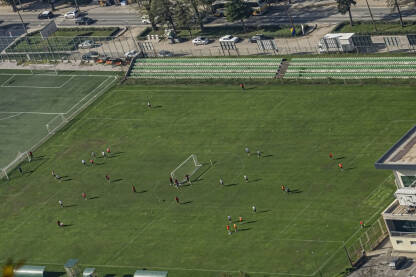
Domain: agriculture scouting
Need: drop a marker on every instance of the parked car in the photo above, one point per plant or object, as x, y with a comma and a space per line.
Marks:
72, 14
200, 41
145, 19
229, 38
92, 55
257, 37
397, 262
45, 15
165, 53
131, 54
84, 20
101, 59
87, 44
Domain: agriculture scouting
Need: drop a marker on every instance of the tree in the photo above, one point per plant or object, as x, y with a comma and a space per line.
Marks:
163, 12
10, 3
183, 17
146, 6
344, 6
395, 5
237, 10
371, 14
195, 7
208, 5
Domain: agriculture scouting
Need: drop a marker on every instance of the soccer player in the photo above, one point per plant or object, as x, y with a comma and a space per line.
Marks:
133, 188
148, 104
188, 179
92, 162
235, 227
92, 155
53, 173
60, 203
287, 189
103, 154
57, 177
228, 229
283, 188
254, 208
247, 151
221, 182
246, 178
84, 195
340, 166
59, 223
241, 219
20, 170
258, 154
83, 162
30, 156
177, 199
242, 86
331, 155
171, 181
177, 183
107, 177
229, 218
361, 224
108, 151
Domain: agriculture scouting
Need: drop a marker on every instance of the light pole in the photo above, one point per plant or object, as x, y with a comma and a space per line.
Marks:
21, 19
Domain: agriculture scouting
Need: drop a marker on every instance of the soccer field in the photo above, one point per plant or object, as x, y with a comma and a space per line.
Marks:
295, 127
28, 102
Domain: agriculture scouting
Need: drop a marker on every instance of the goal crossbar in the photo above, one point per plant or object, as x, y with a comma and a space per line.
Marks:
187, 167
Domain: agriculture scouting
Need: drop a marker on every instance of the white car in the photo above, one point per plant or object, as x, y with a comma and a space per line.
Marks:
229, 38
87, 44
72, 14
200, 41
131, 54
145, 19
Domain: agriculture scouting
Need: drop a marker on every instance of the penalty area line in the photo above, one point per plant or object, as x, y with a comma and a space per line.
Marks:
30, 113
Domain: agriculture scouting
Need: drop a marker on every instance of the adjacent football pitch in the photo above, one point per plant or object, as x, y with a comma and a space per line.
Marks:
292, 234
28, 102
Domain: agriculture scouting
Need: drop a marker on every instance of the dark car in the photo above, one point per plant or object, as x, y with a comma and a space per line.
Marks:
45, 15
92, 55
258, 37
397, 262
84, 21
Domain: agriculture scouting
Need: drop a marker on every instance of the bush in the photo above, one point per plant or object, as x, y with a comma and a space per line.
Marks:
383, 28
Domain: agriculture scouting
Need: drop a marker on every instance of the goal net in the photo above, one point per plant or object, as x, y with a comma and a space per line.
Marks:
187, 167
46, 69
4, 173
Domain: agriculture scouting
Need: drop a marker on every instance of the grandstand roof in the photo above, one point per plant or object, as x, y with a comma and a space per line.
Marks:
402, 155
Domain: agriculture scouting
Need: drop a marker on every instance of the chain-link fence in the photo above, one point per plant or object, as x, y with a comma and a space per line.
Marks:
353, 251
88, 48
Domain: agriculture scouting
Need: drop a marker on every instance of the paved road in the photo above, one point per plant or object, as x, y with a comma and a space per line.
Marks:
323, 14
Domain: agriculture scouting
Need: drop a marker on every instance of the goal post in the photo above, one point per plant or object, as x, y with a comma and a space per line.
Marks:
187, 167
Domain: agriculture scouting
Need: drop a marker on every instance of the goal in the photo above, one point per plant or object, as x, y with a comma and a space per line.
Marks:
187, 167
46, 69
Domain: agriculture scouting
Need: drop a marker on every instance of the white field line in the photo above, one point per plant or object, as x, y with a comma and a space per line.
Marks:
295, 219
353, 235
95, 89
177, 268
66, 82
30, 113
5, 82
10, 116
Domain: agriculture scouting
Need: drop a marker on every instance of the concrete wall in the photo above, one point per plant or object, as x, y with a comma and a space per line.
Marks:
403, 244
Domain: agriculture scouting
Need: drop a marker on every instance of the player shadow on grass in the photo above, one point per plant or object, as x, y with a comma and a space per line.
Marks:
230, 185
268, 156
157, 107
264, 211
94, 197
117, 180
245, 229
249, 222
340, 158
66, 225
143, 191
295, 191
70, 205
115, 154
187, 202
109, 275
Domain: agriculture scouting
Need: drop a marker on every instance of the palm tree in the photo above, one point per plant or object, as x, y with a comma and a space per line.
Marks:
344, 6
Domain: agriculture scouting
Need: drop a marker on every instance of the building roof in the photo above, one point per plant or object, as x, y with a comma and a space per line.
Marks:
339, 35
402, 155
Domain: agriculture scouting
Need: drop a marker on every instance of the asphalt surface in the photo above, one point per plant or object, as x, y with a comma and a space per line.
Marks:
277, 14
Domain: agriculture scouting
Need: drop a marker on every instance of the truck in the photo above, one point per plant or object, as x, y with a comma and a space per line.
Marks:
340, 42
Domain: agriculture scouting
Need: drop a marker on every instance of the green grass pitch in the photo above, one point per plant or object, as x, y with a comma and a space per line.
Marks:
29, 102
295, 126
